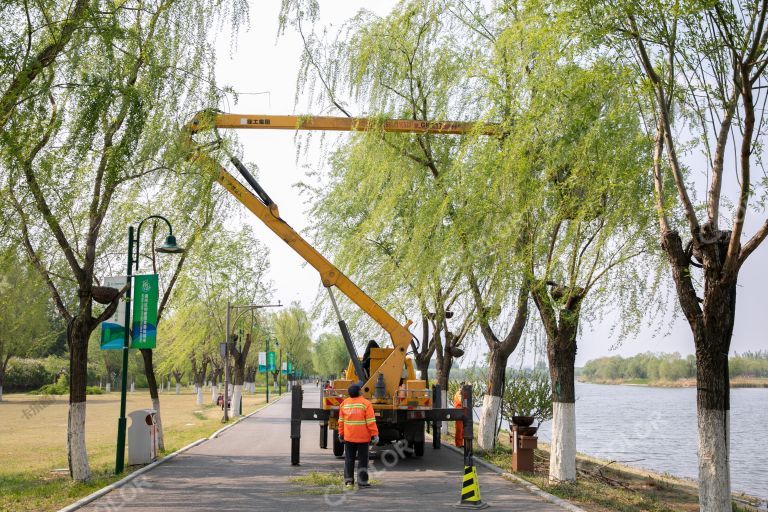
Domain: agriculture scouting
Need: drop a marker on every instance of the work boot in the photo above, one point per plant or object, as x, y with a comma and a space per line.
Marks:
363, 484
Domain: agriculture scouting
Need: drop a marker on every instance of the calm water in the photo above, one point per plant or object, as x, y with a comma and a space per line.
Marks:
655, 428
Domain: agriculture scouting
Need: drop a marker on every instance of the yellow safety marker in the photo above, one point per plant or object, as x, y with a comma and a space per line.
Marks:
470, 491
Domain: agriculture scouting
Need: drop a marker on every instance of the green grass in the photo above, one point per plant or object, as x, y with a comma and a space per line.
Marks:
321, 482
33, 448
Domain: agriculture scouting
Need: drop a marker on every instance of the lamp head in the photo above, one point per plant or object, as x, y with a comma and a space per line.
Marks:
170, 247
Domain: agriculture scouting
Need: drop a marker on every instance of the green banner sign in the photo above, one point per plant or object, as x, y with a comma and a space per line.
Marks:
271, 361
144, 323
113, 328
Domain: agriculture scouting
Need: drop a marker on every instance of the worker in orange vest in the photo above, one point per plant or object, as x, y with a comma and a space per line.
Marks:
357, 429
459, 437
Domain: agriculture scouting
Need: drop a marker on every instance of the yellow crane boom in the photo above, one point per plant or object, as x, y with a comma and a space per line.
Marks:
261, 205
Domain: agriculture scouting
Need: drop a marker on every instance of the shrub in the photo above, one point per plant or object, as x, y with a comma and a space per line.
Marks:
26, 374
527, 393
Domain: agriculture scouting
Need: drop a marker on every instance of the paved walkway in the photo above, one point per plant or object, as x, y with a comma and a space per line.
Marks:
248, 468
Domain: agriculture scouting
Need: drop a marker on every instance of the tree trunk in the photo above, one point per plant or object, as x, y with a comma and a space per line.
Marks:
149, 372
3, 367
177, 378
713, 395
561, 352
712, 328
78, 334
489, 414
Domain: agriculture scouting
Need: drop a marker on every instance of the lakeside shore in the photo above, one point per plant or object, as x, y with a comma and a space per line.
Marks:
607, 486
738, 382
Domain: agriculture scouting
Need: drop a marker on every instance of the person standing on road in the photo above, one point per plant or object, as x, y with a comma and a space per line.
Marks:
357, 429
459, 435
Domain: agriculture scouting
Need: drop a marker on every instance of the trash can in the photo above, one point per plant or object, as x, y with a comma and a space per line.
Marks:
142, 437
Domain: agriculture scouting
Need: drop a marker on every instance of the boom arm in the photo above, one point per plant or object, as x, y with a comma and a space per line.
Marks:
267, 211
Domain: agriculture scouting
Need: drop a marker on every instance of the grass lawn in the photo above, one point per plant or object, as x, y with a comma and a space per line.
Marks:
33, 441
602, 486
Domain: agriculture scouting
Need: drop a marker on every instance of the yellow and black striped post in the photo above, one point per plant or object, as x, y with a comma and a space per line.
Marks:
470, 487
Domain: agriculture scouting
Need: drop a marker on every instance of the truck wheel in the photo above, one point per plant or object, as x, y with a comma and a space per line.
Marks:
418, 448
338, 446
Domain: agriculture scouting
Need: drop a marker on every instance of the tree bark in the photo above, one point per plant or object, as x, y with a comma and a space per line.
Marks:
239, 357
3, 368
561, 330
78, 333
712, 328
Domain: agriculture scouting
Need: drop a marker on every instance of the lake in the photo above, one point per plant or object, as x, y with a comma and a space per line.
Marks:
655, 428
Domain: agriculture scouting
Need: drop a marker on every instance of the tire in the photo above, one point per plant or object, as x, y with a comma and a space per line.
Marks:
418, 448
338, 446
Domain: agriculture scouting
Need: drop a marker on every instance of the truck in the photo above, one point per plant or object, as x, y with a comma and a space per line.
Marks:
403, 404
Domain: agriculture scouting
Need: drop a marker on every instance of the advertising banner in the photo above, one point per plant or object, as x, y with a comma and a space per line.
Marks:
144, 320
113, 328
262, 362
271, 361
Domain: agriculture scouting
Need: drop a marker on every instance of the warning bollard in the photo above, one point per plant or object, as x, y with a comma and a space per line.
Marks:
470, 486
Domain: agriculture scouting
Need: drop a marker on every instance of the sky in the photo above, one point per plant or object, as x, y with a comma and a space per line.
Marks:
262, 69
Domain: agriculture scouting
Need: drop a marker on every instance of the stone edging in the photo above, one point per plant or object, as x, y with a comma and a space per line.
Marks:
116, 485
528, 485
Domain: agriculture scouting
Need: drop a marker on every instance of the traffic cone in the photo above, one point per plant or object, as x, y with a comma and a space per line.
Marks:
470, 491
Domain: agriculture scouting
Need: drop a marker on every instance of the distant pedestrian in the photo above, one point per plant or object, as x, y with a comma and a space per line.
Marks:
357, 429
459, 434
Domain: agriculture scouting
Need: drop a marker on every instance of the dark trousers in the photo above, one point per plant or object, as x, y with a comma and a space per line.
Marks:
352, 451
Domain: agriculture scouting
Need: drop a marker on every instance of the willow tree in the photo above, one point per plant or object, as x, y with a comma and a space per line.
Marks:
586, 159
384, 212
35, 36
225, 266
293, 331
102, 114
703, 69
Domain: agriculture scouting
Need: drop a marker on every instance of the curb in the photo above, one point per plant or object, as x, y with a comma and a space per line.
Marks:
116, 485
514, 478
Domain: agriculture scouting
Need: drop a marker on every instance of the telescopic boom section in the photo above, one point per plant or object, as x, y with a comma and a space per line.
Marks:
267, 211
344, 124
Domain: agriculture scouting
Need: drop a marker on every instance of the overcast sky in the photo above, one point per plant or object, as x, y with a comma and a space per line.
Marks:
261, 63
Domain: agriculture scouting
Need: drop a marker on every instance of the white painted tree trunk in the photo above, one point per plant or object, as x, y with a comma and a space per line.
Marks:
109, 387
714, 470
1, 393
274, 385
133, 387
178, 388
199, 395
159, 419
488, 415
214, 393
238, 392
444, 401
78, 456
562, 457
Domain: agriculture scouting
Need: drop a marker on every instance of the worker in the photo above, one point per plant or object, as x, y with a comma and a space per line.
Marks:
357, 429
367, 359
457, 402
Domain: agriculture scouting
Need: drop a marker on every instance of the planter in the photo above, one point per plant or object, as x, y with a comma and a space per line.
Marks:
524, 431
523, 421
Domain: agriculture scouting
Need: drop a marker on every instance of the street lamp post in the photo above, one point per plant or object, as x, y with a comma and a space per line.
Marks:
169, 247
279, 368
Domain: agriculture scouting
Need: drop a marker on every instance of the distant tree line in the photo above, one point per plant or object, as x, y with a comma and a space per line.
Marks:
669, 367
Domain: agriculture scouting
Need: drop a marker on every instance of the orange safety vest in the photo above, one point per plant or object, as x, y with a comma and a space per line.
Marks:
357, 422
